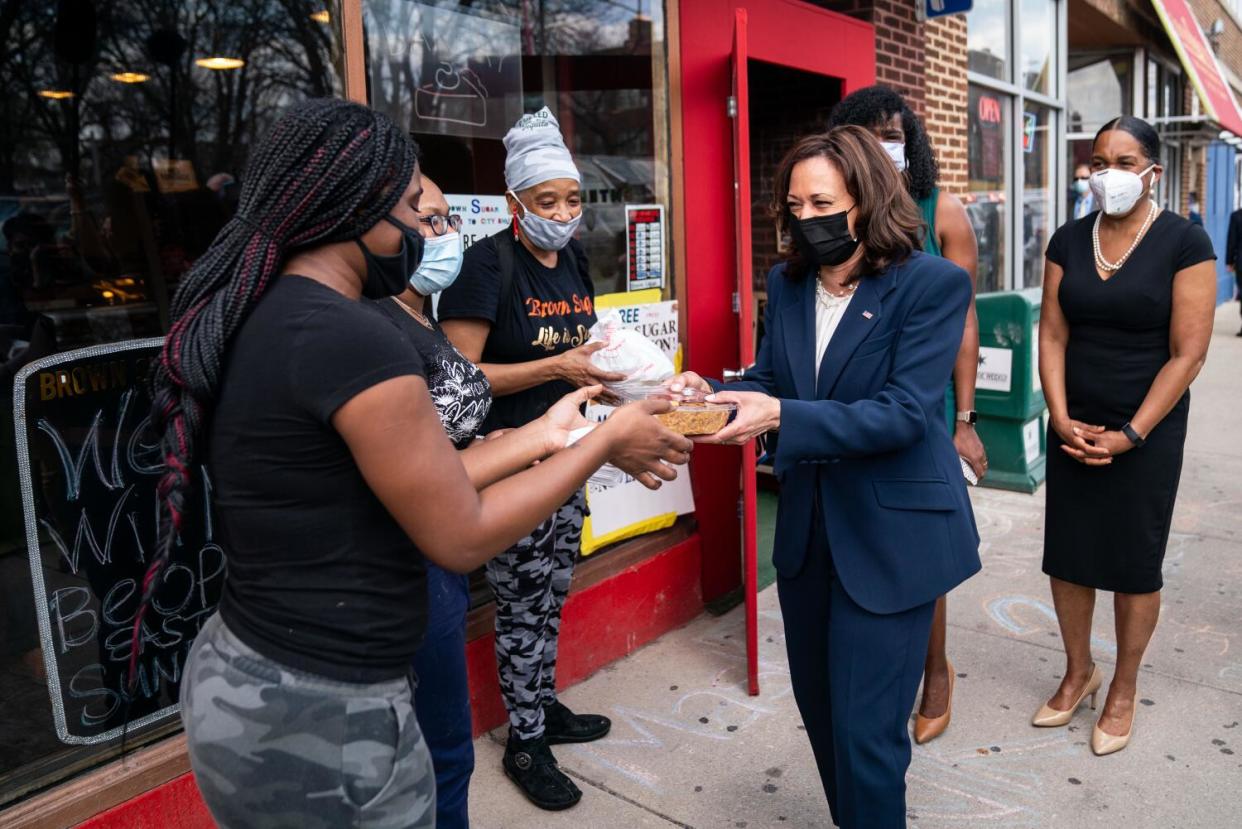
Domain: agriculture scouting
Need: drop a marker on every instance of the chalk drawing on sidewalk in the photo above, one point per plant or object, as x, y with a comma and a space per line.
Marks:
1006, 610
1231, 672
714, 713
964, 788
1198, 634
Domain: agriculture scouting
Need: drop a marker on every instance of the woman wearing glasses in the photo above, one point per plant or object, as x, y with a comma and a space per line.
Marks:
462, 397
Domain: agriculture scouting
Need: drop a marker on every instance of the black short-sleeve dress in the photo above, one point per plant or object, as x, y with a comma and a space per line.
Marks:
1107, 526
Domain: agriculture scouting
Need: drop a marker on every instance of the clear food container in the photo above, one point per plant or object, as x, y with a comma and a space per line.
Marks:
692, 414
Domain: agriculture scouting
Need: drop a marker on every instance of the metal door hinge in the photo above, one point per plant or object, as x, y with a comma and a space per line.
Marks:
737, 303
731, 106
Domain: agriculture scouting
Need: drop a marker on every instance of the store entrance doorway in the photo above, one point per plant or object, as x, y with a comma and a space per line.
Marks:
785, 105
770, 111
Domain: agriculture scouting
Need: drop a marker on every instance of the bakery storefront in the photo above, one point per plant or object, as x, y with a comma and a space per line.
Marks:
124, 135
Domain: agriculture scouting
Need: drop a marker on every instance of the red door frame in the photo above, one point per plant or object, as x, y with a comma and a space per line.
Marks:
789, 33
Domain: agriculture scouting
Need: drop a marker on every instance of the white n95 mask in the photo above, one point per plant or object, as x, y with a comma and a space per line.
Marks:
897, 152
1117, 191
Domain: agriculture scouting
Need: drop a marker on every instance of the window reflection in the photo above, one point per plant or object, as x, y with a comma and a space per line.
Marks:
1039, 30
1038, 196
987, 38
459, 74
989, 166
124, 134
126, 131
1099, 88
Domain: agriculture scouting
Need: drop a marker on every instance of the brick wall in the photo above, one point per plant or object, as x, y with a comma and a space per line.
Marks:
899, 43
925, 62
947, 98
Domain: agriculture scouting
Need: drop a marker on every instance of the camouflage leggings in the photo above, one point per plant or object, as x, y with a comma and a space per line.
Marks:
274, 747
531, 580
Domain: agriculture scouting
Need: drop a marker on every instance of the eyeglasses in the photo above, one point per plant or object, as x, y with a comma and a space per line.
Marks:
440, 224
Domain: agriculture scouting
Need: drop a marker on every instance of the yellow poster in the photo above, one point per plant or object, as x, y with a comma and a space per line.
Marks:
630, 509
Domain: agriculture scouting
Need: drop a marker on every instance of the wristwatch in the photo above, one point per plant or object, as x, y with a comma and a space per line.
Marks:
1133, 436
969, 416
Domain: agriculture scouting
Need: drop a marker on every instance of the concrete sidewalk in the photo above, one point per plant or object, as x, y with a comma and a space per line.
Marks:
689, 748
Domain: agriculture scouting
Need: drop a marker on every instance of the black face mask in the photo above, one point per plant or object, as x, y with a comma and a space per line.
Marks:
390, 275
824, 240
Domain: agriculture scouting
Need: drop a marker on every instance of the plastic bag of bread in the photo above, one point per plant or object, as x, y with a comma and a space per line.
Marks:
628, 352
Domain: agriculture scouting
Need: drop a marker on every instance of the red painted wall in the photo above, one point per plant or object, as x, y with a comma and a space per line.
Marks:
789, 33
601, 624
174, 805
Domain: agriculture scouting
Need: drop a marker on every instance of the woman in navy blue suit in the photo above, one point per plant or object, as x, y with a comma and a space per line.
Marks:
874, 522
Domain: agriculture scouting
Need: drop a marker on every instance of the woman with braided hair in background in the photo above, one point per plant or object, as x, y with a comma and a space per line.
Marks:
332, 477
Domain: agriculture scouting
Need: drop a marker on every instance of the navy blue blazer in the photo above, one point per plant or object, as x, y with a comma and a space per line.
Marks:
868, 437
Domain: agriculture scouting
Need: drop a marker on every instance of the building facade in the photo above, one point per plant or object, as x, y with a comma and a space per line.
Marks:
124, 135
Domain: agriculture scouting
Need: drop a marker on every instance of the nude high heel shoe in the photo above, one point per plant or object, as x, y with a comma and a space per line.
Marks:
1049, 717
1104, 743
929, 728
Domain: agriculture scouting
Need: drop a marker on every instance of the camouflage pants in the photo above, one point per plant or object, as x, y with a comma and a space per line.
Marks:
531, 580
275, 747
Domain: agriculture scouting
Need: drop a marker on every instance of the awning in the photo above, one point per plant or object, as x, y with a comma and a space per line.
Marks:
1200, 63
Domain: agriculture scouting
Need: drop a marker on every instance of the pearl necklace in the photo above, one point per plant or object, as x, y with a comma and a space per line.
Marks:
828, 299
1102, 263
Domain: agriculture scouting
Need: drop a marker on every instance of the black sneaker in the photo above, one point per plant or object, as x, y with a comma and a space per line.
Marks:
560, 725
530, 764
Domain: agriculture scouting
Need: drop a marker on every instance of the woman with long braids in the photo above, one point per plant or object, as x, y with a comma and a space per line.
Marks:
332, 477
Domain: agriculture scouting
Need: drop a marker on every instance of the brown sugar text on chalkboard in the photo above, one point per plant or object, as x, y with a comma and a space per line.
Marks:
88, 379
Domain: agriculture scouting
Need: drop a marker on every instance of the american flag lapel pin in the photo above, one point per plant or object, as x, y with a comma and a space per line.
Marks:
867, 315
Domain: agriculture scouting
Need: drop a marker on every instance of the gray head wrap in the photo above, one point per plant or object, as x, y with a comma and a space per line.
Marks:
536, 152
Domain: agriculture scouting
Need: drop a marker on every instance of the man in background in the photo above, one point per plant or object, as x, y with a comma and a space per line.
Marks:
1231, 250
1083, 198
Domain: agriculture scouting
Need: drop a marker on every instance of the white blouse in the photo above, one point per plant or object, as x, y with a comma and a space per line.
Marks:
829, 311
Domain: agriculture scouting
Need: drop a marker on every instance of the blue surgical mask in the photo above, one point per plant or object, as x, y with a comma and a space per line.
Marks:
1082, 186
440, 264
546, 234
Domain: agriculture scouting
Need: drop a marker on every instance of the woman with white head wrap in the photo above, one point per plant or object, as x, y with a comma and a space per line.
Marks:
522, 310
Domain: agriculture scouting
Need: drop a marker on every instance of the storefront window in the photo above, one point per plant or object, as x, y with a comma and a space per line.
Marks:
1039, 203
987, 38
124, 134
987, 119
460, 73
1039, 29
1100, 88
1015, 122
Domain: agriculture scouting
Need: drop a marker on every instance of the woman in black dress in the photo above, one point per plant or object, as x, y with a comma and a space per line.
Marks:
1129, 295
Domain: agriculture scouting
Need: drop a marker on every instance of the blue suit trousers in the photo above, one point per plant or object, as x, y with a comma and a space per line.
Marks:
442, 699
855, 675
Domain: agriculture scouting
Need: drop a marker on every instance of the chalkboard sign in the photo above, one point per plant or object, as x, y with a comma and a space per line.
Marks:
89, 465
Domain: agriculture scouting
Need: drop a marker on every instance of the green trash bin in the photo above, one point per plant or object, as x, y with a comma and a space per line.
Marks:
1008, 394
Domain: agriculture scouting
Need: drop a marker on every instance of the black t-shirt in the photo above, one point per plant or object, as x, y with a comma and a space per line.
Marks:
321, 577
459, 389
548, 311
